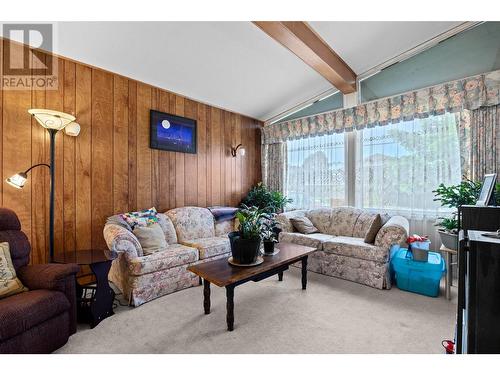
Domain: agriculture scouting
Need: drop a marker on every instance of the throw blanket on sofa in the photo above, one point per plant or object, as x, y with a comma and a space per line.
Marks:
223, 213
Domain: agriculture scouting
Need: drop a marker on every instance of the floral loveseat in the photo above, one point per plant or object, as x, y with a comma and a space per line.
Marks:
192, 237
342, 251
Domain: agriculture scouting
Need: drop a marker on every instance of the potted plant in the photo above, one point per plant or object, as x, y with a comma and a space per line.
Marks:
269, 201
454, 196
270, 234
245, 243
448, 231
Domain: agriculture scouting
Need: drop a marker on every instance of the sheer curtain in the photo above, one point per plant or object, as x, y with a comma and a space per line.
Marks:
399, 165
315, 171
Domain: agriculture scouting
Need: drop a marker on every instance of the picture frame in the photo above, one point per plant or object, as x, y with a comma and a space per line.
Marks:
487, 191
172, 133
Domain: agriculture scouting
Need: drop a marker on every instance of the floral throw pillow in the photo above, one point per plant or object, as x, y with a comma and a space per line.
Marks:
9, 283
142, 218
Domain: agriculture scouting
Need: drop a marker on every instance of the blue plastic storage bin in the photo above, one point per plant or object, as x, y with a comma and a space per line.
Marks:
418, 277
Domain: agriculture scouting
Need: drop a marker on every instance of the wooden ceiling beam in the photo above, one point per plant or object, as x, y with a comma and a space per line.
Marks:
303, 41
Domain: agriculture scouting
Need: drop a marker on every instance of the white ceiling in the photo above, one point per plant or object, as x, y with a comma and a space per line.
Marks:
233, 65
363, 45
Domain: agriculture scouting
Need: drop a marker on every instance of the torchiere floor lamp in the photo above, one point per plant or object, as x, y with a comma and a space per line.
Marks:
53, 121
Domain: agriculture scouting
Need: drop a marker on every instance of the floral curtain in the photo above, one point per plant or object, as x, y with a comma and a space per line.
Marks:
274, 163
468, 93
479, 132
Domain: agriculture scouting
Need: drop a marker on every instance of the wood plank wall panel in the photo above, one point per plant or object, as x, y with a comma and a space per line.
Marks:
180, 191
102, 153
132, 144
190, 161
109, 168
16, 145
69, 204
83, 159
120, 145
143, 150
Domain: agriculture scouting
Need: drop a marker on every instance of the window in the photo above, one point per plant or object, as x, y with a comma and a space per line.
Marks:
399, 165
468, 53
315, 171
330, 103
396, 167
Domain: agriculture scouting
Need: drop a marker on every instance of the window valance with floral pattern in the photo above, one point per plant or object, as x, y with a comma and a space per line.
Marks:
468, 93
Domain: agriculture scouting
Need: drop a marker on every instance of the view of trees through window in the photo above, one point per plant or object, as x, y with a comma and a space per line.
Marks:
399, 165
315, 171
396, 167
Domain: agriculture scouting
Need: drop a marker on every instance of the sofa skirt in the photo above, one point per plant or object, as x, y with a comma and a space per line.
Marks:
366, 272
144, 288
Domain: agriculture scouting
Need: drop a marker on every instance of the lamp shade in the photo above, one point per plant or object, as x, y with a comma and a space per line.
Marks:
52, 119
18, 180
72, 129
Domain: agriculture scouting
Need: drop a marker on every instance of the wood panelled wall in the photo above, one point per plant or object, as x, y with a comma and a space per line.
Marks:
109, 168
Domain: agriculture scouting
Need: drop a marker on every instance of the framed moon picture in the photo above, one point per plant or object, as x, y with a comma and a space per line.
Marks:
172, 133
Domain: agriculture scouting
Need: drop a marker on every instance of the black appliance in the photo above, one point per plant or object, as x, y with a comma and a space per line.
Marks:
478, 313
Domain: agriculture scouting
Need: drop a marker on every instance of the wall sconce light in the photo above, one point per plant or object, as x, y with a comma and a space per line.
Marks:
234, 150
53, 121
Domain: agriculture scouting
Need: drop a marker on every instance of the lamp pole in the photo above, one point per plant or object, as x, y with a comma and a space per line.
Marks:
53, 121
52, 133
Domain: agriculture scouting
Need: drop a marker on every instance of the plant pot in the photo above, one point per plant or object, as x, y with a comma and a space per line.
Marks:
244, 251
268, 247
449, 240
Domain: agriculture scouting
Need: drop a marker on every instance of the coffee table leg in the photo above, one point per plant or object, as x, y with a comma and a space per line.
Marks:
230, 307
280, 276
304, 272
206, 296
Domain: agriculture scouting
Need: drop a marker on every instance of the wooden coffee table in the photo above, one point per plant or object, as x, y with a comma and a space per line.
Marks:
222, 274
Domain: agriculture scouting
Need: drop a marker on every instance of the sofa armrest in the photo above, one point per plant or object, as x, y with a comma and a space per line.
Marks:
284, 222
122, 241
225, 227
46, 276
57, 277
394, 232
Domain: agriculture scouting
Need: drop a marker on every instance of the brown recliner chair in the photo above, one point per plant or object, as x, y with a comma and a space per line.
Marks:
41, 319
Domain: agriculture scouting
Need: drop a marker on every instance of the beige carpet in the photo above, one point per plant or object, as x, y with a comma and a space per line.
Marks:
331, 316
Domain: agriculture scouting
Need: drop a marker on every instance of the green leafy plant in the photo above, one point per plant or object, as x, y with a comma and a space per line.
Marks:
449, 224
467, 192
251, 221
263, 198
454, 196
269, 229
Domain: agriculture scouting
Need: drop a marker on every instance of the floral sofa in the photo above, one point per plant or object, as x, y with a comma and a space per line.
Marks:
192, 237
342, 251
